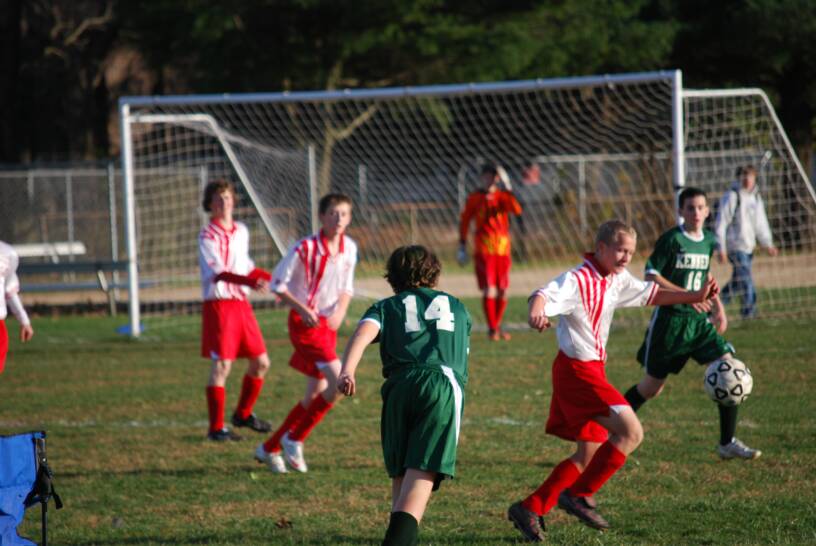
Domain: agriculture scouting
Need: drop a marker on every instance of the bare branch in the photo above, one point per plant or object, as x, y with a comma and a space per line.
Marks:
91, 23
359, 120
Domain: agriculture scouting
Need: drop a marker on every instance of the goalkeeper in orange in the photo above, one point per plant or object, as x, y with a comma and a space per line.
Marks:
490, 207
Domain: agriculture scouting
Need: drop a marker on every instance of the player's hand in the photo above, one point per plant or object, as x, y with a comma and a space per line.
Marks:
309, 316
539, 322
709, 290
772, 251
504, 178
26, 332
261, 286
346, 384
721, 256
702, 306
462, 255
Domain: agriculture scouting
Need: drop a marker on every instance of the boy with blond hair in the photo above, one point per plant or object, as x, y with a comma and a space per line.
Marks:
585, 408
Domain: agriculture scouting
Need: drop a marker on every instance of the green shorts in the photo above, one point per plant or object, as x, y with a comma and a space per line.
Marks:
421, 415
673, 338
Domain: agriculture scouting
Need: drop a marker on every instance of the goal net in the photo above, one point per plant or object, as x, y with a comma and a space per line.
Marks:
579, 151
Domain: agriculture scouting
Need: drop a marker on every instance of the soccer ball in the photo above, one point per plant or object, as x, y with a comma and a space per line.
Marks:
728, 381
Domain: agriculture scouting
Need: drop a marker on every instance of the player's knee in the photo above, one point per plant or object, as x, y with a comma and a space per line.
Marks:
491, 292
259, 366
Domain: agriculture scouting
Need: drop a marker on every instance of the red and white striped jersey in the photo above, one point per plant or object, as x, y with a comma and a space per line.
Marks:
221, 250
586, 301
10, 285
315, 277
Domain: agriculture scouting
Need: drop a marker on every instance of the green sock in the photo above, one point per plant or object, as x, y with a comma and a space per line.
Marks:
728, 423
402, 530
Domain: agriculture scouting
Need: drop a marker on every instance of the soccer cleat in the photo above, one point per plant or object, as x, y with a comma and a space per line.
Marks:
578, 507
252, 422
505, 336
529, 523
273, 460
737, 450
223, 435
493, 335
293, 453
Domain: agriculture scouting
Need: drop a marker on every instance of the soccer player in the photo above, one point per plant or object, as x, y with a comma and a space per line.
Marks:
10, 288
681, 260
490, 207
585, 408
424, 337
229, 327
315, 279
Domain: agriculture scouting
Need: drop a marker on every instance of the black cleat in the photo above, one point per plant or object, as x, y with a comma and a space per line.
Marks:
223, 435
580, 508
252, 422
529, 523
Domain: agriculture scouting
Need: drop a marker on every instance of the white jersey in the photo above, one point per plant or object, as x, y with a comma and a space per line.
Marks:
219, 251
10, 285
313, 276
586, 302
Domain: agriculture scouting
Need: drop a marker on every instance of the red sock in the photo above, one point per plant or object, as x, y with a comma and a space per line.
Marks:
606, 461
295, 414
501, 305
545, 497
314, 414
215, 406
489, 305
250, 389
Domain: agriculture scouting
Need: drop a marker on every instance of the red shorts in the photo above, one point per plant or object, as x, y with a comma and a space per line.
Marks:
229, 331
580, 393
492, 270
3, 345
311, 345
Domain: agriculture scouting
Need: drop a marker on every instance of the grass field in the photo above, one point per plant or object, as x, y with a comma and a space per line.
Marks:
126, 423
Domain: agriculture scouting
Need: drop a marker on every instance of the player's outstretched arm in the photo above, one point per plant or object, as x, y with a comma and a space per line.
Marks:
365, 333
669, 297
535, 313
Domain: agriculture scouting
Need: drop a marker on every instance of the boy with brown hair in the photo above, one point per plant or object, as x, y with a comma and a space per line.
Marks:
229, 328
316, 280
424, 337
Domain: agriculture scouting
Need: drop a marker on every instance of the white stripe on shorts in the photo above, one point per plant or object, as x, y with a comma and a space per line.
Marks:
649, 339
457, 398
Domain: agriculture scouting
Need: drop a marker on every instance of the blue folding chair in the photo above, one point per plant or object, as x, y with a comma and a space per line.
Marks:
25, 480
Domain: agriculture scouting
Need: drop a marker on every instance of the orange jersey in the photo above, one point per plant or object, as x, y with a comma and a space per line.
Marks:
490, 210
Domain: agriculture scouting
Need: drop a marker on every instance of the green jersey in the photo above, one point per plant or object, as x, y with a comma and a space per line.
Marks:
422, 327
683, 260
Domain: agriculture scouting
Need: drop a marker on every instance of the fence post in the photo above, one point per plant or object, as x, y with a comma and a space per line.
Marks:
114, 231
313, 186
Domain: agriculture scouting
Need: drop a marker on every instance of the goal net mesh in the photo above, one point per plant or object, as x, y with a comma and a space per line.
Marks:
579, 151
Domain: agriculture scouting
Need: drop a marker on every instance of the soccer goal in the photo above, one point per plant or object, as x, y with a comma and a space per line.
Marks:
579, 151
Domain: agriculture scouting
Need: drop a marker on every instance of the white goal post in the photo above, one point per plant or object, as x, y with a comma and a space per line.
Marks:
579, 151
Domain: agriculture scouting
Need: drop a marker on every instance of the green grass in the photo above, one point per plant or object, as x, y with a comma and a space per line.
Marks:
126, 423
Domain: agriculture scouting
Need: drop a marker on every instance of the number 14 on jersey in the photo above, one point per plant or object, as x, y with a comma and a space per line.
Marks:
438, 310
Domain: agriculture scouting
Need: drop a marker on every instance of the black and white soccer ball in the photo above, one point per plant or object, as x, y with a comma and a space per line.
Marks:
728, 381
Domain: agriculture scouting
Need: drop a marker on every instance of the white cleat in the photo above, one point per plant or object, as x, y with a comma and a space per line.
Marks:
293, 452
273, 460
737, 450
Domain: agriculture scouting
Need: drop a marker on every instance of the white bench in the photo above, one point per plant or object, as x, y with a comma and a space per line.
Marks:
52, 251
